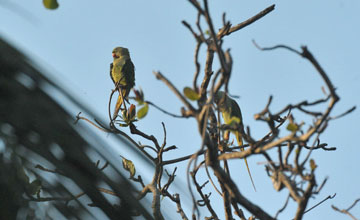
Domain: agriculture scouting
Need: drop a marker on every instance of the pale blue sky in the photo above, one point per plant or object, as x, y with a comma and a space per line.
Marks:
74, 45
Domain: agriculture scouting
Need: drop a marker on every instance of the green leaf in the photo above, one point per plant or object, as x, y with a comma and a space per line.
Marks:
51, 4
292, 127
191, 94
129, 166
143, 111
312, 164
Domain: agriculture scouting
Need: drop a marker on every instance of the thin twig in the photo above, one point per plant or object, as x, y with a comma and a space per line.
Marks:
161, 77
78, 117
282, 208
344, 211
164, 111
249, 21
328, 197
343, 114
352, 206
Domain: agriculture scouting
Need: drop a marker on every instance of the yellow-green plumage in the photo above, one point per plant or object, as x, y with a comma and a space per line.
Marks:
232, 116
122, 72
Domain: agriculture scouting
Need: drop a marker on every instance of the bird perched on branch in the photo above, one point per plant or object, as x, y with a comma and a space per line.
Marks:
122, 72
232, 116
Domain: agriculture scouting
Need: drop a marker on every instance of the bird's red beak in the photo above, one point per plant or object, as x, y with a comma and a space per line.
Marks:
114, 55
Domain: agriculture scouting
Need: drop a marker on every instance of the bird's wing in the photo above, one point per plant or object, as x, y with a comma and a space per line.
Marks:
235, 110
231, 112
129, 72
111, 67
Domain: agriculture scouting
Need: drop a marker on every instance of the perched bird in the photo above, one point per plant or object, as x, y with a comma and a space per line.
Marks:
232, 116
122, 72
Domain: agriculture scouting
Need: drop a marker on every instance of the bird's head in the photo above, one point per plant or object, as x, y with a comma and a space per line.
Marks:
220, 99
120, 52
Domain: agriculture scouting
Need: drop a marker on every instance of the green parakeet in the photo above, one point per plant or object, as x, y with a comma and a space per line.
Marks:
232, 116
122, 72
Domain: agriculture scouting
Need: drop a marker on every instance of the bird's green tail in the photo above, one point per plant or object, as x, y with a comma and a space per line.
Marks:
119, 102
240, 143
118, 106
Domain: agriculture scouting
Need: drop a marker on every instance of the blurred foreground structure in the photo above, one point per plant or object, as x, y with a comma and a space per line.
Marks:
44, 157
